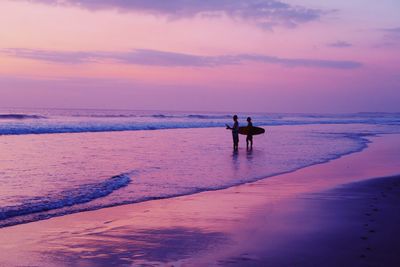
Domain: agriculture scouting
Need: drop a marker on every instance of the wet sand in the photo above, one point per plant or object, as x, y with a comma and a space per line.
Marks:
331, 214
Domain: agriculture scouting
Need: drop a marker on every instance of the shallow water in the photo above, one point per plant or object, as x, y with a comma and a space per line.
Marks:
48, 175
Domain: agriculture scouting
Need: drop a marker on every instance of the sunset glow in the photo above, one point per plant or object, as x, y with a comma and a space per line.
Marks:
272, 56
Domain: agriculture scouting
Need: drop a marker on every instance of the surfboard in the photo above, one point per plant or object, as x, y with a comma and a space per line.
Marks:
255, 130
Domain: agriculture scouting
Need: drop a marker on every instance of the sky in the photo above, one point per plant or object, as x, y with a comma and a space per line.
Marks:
328, 56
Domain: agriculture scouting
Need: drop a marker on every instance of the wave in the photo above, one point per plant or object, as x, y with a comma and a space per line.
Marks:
379, 114
200, 116
160, 116
129, 122
85, 193
124, 116
20, 116
117, 127
106, 116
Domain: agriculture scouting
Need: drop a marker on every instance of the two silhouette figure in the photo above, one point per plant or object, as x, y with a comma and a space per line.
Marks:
235, 133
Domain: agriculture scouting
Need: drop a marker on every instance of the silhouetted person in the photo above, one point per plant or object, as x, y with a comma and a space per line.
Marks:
249, 138
235, 132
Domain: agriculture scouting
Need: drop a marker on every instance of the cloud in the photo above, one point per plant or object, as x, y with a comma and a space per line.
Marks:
52, 56
340, 44
392, 33
147, 57
136, 57
303, 62
265, 13
392, 30
391, 38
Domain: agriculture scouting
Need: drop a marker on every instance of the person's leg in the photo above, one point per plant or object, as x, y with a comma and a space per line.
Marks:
236, 142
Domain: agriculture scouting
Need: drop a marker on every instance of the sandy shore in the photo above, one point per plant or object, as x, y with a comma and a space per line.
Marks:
330, 214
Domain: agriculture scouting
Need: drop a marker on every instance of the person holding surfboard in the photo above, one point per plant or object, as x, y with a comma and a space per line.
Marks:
249, 137
235, 132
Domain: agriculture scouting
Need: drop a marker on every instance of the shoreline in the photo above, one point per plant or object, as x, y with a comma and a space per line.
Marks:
224, 227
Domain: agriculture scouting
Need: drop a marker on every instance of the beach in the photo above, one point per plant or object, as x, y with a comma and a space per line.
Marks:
339, 213
199, 133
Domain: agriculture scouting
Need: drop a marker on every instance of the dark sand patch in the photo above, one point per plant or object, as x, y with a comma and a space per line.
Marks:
352, 225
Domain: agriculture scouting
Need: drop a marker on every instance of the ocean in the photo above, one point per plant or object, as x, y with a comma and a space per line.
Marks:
57, 161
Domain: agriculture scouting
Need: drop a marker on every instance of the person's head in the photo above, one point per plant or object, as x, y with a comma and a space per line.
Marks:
248, 119
235, 117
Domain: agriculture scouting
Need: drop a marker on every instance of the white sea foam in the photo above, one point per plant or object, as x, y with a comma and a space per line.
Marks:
77, 121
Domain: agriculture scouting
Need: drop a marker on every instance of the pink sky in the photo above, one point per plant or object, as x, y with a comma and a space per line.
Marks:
269, 55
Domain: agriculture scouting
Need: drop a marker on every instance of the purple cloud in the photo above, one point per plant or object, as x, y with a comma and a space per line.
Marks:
52, 56
340, 44
392, 33
148, 57
392, 30
136, 57
303, 62
390, 38
265, 13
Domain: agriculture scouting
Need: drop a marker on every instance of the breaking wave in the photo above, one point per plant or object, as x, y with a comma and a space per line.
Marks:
83, 194
20, 116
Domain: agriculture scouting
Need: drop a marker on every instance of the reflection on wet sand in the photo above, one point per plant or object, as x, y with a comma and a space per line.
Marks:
129, 245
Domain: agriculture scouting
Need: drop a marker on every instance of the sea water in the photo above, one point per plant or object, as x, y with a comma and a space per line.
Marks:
56, 162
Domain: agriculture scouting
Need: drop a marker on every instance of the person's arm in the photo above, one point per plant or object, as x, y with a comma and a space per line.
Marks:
228, 127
